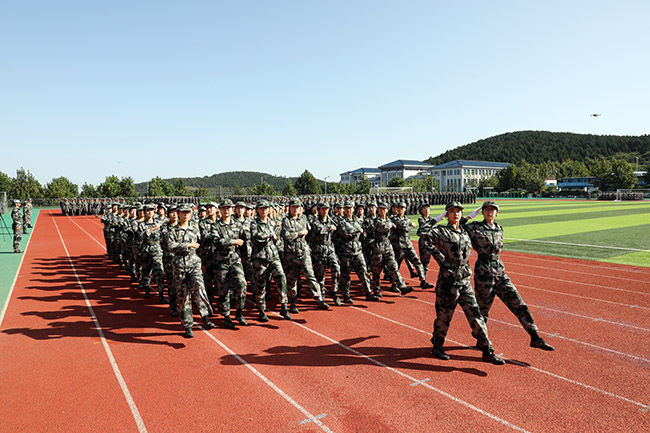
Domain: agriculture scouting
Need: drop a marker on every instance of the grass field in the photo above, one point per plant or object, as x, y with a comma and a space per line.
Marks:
615, 232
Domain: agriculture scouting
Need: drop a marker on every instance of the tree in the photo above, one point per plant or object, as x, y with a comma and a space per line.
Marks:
87, 190
263, 189
289, 190
612, 174
25, 185
334, 188
307, 184
238, 190
363, 186
110, 187
5, 183
201, 192
160, 188
423, 184
396, 182
61, 187
179, 187
487, 182
507, 178
127, 188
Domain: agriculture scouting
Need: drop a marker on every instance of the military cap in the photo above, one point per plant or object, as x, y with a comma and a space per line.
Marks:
423, 205
295, 202
133, 206
348, 203
115, 203
454, 204
382, 204
359, 205
250, 206
149, 206
185, 207
240, 204
172, 208
16, 201
138, 206
162, 205
211, 203
202, 207
372, 203
323, 205
338, 204
226, 203
400, 204
263, 203
490, 203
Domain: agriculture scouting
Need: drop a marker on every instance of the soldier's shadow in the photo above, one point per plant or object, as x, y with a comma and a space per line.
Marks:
333, 355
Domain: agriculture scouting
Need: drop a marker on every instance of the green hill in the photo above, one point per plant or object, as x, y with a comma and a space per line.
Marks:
542, 146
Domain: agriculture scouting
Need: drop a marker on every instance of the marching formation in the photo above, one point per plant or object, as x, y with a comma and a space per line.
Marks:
215, 255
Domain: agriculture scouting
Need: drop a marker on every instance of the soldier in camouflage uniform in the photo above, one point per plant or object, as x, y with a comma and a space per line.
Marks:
451, 248
297, 255
402, 245
381, 252
490, 276
17, 226
240, 218
225, 238
105, 220
152, 254
188, 278
27, 214
165, 231
350, 254
322, 250
266, 261
206, 252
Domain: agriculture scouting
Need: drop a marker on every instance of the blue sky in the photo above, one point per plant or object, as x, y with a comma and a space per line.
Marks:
169, 88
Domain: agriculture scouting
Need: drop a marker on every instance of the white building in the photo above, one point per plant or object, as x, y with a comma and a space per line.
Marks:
352, 177
403, 168
460, 174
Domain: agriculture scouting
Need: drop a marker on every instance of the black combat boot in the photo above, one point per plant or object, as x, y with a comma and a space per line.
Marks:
263, 317
438, 351
285, 313
322, 305
424, 284
406, 290
188, 333
347, 299
228, 323
207, 324
489, 356
395, 289
372, 297
292, 306
162, 298
240, 317
336, 299
538, 342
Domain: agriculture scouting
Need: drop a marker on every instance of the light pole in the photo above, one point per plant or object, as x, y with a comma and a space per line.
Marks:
637, 163
328, 176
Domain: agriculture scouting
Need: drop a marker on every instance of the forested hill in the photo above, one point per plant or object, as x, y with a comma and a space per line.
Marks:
230, 179
541, 146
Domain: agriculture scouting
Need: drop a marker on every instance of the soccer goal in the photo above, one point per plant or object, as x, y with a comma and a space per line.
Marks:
632, 194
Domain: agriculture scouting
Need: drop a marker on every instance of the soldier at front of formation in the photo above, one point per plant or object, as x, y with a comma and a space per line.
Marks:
490, 276
225, 237
152, 264
297, 256
168, 256
402, 245
451, 249
382, 256
106, 217
322, 251
188, 278
17, 225
266, 261
349, 231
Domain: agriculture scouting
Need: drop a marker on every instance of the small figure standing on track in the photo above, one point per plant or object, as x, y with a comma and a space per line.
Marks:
17, 226
490, 276
451, 247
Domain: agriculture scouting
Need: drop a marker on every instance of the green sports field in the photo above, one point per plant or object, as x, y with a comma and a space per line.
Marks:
616, 232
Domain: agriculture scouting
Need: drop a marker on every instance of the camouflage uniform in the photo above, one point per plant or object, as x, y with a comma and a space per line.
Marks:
188, 278
152, 258
246, 250
167, 257
382, 256
266, 261
423, 245
27, 215
351, 256
403, 247
17, 226
451, 250
206, 253
323, 254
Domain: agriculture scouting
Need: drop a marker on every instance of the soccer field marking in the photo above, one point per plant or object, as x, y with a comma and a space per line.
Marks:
116, 370
409, 377
510, 262
586, 265
609, 247
580, 282
20, 265
313, 418
557, 335
539, 370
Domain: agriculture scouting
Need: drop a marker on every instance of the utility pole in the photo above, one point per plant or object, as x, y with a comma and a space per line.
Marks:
637, 163
328, 176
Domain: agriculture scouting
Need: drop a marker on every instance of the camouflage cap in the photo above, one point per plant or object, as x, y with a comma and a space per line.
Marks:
240, 204
490, 203
263, 203
400, 204
211, 203
323, 204
348, 203
423, 205
295, 202
162, 205
382, 204
139, 207
172, 208
250, 206
454, 204
185, 207
338, 204
149, 206
16, 201
202, 207
226, 203
133, 206
372, 203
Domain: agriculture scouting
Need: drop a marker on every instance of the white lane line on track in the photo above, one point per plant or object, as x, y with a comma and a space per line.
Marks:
91, 236
583, 297
579, 282
571, 271
577, 245
595, 319
557, 335
539, 370
411, 378
116, 370
313, 418
609, 268
20, 265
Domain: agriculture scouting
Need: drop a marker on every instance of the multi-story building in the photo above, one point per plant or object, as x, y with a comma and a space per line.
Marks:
458, 175
352, 177
403, 168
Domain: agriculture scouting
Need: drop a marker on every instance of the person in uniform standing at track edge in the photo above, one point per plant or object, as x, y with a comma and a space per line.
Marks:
27, 214
266, 261
451, 248
322, 251
17, 226
224, 238
188, 278
297, 256
152, 254
490, 276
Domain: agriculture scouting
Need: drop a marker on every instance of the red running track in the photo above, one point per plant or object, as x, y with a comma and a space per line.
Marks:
358, 368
